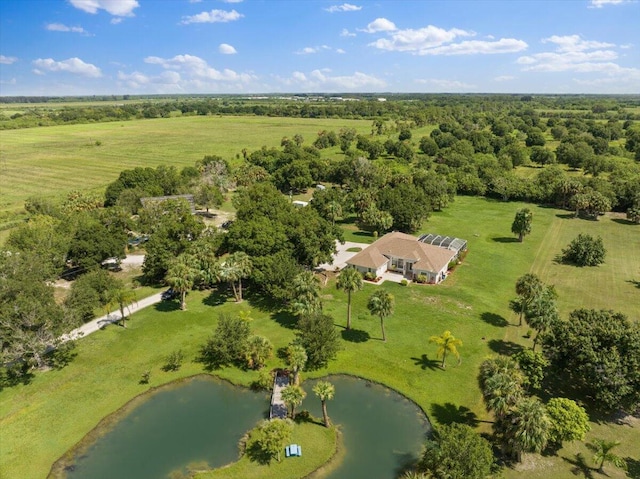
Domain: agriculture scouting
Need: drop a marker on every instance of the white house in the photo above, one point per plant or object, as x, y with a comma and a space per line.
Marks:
404, 254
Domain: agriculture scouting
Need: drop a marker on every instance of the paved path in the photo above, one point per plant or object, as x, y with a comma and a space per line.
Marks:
101, 322
342, 255
278, 407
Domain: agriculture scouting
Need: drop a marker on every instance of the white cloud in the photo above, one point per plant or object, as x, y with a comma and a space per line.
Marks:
502, 78
13, 81
340, 51
227, 49
598, 60
319, 80
119, 8
71, 65
7, 60
346, 33
380, 25
446, 85
572, 53
59, 27
115, 21
417, 41
432, 40
231, 1
478, 47
345, 7
197, 68
138, 80
312, 50
195, 1
573, 43
214, 16
602, 3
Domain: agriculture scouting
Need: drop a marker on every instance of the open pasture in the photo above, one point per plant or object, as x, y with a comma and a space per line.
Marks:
472, 303
52, 161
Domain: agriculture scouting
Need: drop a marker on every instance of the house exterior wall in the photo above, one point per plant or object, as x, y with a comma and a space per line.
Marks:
378, 271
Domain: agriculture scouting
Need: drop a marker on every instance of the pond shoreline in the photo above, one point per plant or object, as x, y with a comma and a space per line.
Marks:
106, 424
60, 467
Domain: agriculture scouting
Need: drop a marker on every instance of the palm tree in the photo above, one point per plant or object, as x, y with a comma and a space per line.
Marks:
501, 392
350, 280
293, 396
528, 287
522, 223
306, 290
296, 359
601, 449
259, 349
325, 391
243, 265
233, 268
181, 276
447, 343
527, 427
381, 304
542, 312
122, 298
335, 211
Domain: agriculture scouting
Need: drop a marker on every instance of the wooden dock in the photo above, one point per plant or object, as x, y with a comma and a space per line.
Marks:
278, 407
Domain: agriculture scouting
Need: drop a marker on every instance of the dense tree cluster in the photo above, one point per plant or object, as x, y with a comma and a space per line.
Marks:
600, 351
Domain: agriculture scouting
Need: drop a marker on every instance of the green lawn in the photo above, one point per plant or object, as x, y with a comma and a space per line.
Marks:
55, 160
319, 446
472, 303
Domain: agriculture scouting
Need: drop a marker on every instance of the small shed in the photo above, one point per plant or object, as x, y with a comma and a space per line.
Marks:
300, 204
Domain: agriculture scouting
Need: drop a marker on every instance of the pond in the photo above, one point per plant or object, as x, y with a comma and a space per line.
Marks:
203, 419
382, 431
196, 421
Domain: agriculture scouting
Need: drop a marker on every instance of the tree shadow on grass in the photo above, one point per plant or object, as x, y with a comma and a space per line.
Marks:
634, 282
256, 453
449, 413
508, 348
355, 335
285, 319
622, 221
580, 466
215, 298
505, 240
633, 467
63, 355
425, 363
167, 306
566, 216
494, 319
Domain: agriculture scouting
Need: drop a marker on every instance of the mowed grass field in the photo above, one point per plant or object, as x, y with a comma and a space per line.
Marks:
52, 161
42, 420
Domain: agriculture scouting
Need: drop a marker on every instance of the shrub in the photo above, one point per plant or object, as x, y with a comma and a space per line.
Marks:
404, 282
422, 278
228, 345
173, 361
145, 377
369, 276
585, 250
264, 381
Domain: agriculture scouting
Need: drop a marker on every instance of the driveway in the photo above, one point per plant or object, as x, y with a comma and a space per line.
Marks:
342, 256
102, 321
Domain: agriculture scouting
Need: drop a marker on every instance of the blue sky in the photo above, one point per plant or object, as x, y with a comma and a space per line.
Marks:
84, 47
